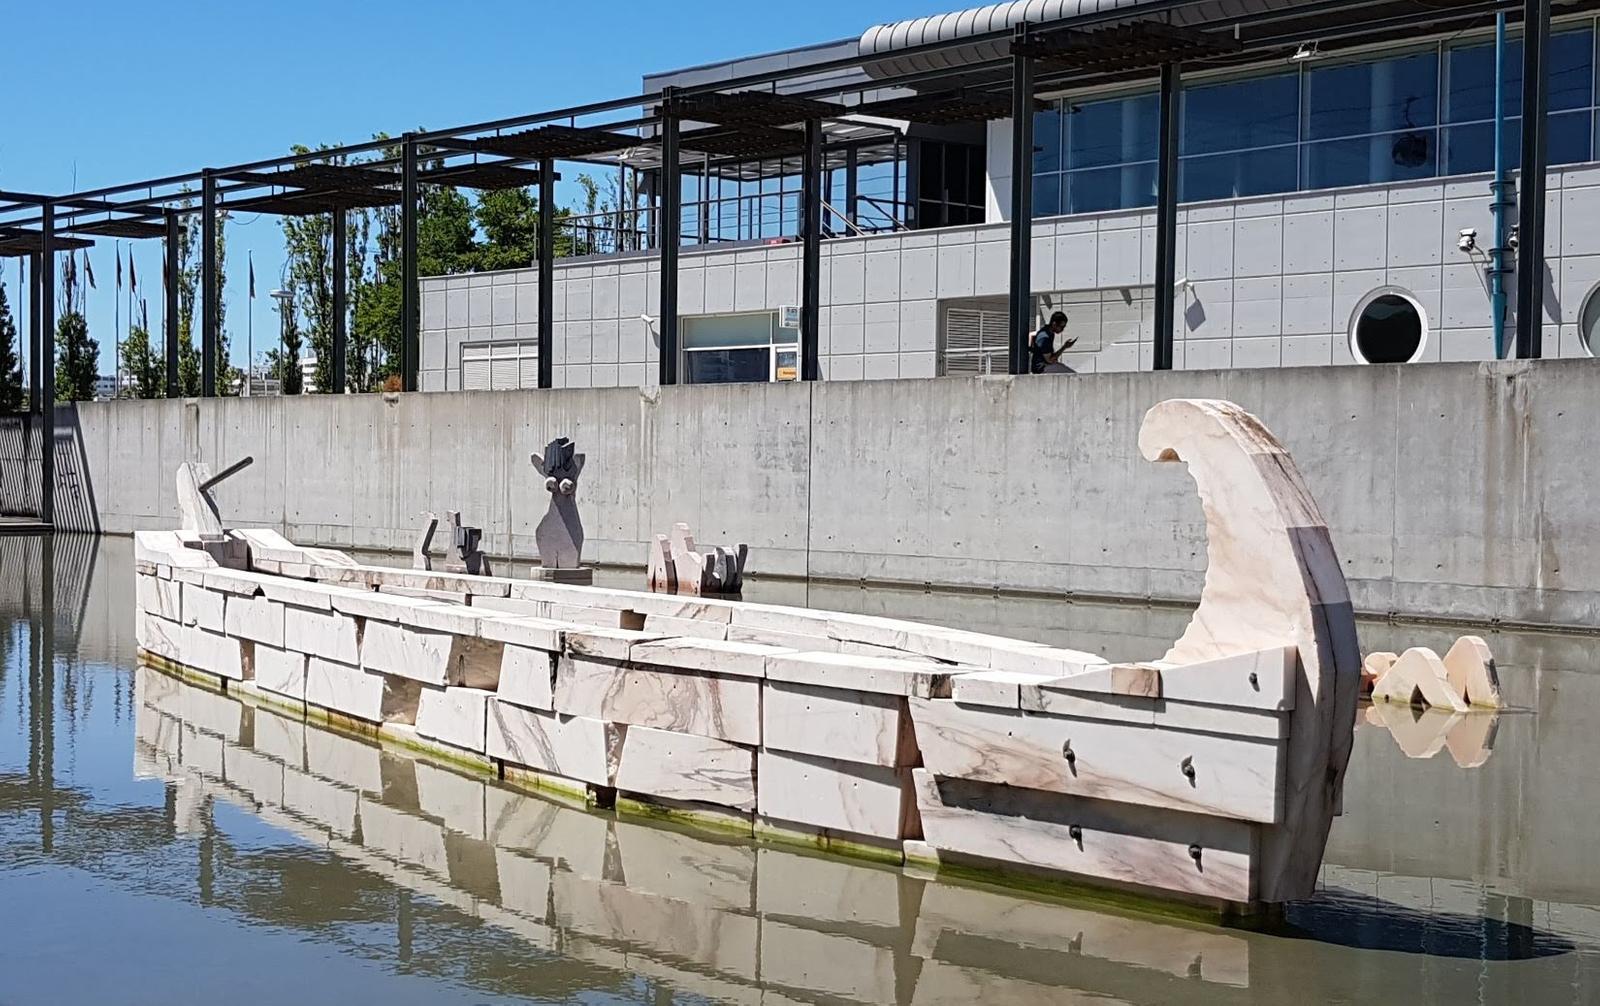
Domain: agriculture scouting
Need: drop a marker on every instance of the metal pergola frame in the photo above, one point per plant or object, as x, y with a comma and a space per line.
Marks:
782, 112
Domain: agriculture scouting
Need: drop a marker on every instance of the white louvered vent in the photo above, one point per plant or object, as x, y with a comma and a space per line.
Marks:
475, 367
974, 341
500, 366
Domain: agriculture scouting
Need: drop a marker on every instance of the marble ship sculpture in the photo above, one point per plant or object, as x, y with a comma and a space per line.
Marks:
1209, 775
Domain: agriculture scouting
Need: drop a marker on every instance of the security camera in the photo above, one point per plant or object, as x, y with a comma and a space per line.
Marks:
1468, 240
1513, 240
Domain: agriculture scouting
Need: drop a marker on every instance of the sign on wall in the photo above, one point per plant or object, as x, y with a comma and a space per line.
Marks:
789, 317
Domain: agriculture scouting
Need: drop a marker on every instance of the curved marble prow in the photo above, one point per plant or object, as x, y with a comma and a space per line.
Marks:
1272, 579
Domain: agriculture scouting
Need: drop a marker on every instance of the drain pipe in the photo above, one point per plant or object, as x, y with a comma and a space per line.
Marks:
1500, 205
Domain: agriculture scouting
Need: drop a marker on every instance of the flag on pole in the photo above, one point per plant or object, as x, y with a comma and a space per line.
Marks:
144, 314
119, 265
133, 280
88, 269
252, 259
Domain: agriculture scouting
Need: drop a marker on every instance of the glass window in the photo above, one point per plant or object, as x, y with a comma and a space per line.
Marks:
1469, 149
723, 330
728, 366
1046, 195
1471, 69
1101, 189
1362, 160
1047, 140
1245, 173
1388, 329
1238, 114
1113, 131
1378, 96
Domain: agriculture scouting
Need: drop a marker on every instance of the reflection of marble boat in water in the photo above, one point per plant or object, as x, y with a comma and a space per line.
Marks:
1210, 775
728, 921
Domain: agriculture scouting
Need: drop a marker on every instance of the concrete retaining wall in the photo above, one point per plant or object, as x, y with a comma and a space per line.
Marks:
1459, 490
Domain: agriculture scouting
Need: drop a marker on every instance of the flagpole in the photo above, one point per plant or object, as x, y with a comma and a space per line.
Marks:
250, 328
116, 328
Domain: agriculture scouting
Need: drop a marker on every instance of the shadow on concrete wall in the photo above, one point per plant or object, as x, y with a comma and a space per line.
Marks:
19, 471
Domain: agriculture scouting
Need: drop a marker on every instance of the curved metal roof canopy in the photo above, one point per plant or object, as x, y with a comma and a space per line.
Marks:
984, 23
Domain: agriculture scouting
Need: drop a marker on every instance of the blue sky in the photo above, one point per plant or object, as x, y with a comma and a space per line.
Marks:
120, 92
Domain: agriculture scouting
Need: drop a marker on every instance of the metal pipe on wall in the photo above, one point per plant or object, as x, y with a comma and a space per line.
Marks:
1167, 221
1531, 180
669, 225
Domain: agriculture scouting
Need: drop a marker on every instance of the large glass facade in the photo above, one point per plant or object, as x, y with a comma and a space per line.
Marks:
1410, 114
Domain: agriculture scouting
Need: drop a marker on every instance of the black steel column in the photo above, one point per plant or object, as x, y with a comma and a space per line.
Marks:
209, 294
668, 226
341, 340
1167, 219
410, 345
1531, 180
851, 195
39, 344
170, 283
1021, 310
811, 254
47, 364
547, 272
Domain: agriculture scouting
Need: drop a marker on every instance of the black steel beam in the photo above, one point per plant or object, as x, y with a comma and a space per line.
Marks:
410, 345
47, 365
341, 321
209, 294
547, 273
1166, 219
852, 169
1531, 180
170, 284
1021, 302
669, 225
38, 344
811, 256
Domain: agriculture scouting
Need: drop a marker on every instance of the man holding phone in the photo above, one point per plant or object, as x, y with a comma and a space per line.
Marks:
1043, 356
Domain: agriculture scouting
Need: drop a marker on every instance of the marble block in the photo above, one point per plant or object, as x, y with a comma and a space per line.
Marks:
524, 884
1205, 773
866, 727
282, 672
709, 705
159, 636
533, 633
346, 760
162, 598
1273, 578
714, 656
696, 628
887, 675
233, 582
793, 641
456, 716
410, 653
165, 548
412, 612
1260, 679
327, 803
780, 618
451, 797
255, 618
412, 840
416, 579
1261, 724
1124, 843
215, 653
687, 768
312, 596
606, 643
324, 634
839, 796
346, 689
575, 747
202, 608
527, 677
1001, 689
513, 606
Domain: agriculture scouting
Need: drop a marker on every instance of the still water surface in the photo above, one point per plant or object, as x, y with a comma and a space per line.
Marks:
162, 844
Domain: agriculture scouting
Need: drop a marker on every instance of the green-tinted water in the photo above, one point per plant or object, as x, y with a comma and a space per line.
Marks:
163, 844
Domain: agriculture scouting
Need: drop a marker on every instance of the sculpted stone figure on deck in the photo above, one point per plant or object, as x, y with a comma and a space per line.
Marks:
560, 534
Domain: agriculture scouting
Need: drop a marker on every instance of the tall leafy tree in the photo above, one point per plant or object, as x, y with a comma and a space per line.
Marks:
77, 358
143, 363
509, 222
10, 376
188, 280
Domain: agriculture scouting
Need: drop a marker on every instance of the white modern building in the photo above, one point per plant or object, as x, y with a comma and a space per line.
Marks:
1335, 208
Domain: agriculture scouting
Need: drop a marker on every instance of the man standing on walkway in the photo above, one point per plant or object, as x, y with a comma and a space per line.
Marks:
1043, 356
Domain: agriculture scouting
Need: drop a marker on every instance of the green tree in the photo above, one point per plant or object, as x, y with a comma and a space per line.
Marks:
143, 363
10, 376
509, 222
77, 359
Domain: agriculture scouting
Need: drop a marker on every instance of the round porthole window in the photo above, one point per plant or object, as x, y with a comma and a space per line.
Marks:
1589, 322
1388, 327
